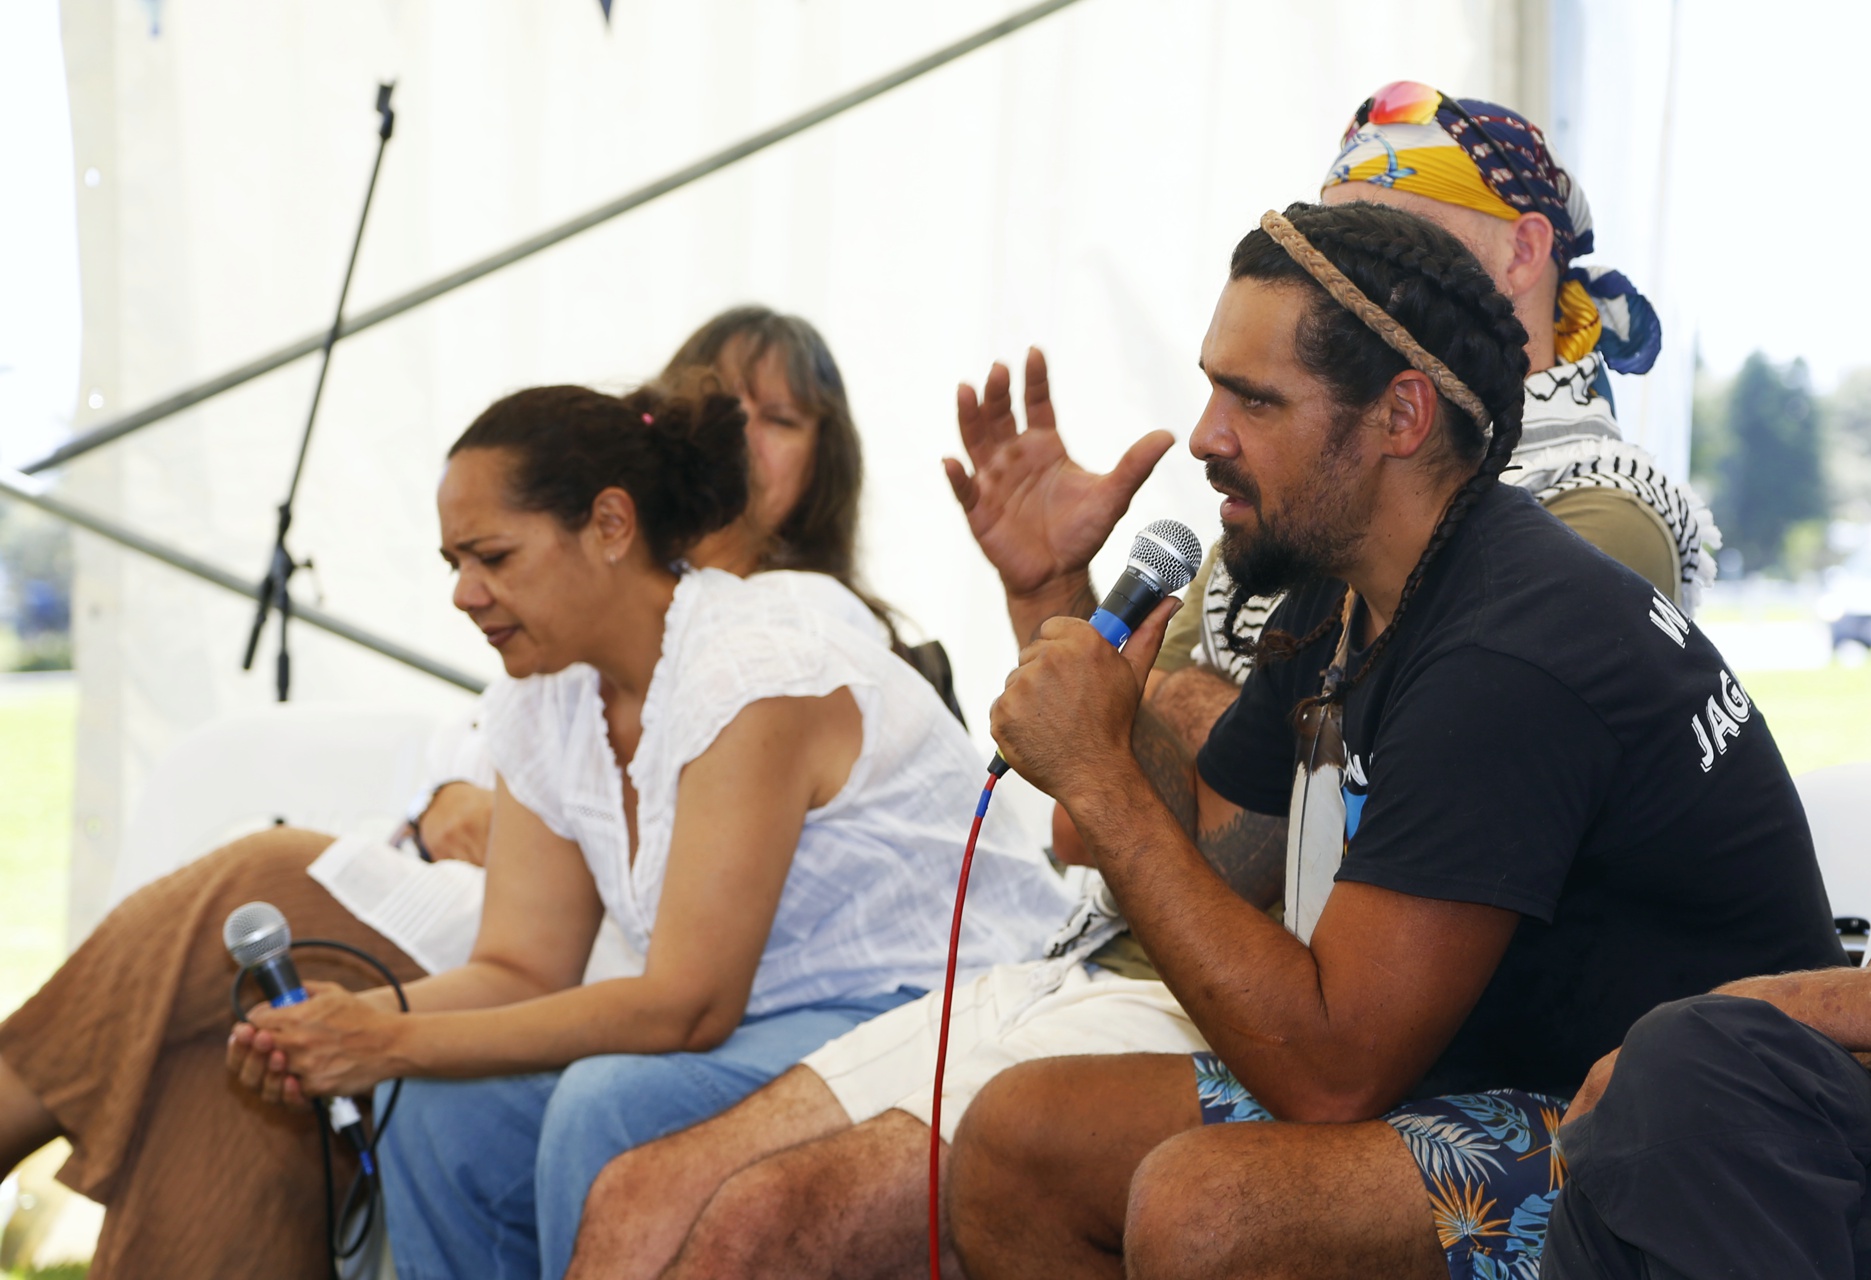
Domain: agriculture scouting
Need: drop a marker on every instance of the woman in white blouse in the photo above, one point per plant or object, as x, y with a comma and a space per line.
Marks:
122, 1051
768, 803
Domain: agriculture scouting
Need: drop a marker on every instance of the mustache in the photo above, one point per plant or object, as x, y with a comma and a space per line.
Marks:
1226, 476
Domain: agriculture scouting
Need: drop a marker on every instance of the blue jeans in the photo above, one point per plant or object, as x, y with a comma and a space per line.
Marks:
487, 1178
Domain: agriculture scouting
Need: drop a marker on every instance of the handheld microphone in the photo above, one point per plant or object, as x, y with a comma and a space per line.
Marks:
260, 940
1164, 558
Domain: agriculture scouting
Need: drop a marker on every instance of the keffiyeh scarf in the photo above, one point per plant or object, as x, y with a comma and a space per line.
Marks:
1569, 440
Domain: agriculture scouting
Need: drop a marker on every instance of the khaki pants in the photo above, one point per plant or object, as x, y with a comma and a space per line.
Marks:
126, 1046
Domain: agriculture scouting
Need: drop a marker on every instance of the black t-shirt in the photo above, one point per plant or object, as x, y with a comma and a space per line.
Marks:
1548, 735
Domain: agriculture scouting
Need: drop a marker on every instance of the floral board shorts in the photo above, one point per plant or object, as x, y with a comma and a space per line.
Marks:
1489, 1161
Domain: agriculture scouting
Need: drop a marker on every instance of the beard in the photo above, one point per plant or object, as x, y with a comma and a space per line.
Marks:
1311, 540
1280, 554
1270, 559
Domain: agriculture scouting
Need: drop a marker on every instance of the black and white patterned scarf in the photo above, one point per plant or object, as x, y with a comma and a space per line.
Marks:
1569, 440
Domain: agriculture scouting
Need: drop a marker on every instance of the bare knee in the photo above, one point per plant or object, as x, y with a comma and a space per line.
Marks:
1039, 1130
766, 1196
1182, 1205
637, 1211
627, 1185
747, 1224
1010, 1130
685, 1170
999, 1166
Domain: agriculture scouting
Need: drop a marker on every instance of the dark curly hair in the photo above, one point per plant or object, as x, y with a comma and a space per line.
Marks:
678, 448
1430, 283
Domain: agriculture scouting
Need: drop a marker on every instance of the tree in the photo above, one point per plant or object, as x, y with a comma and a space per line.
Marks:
1771, 477
1847, 418
35, 589
1708, 432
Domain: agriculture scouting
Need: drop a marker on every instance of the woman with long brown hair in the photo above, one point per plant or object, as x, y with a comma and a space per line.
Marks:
123, 1050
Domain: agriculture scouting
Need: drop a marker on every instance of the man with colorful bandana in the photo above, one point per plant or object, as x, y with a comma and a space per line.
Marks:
862, 1144
1527, 803
1485, 173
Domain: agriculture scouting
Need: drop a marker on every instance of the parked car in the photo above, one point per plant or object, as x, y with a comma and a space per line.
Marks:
1845, 604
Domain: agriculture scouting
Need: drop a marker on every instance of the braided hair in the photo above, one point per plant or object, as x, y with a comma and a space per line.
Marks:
1426, 280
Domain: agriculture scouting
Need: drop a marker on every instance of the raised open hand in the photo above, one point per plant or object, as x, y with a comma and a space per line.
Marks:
1037, 515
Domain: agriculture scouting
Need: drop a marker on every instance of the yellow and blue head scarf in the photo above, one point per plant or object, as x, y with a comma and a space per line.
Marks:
1481, 156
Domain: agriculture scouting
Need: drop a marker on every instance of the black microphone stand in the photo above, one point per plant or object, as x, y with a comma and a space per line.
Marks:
273, 593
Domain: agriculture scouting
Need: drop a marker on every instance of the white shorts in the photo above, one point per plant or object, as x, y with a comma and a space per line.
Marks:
889, 1062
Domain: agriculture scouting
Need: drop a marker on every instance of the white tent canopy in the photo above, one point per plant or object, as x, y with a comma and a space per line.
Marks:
1078, 185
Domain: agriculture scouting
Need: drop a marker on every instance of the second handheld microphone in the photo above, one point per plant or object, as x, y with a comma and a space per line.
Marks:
260, 940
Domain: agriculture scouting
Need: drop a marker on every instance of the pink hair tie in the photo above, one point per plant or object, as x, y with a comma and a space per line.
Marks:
648, 420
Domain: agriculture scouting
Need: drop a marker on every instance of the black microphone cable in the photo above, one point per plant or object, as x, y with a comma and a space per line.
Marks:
365, 1183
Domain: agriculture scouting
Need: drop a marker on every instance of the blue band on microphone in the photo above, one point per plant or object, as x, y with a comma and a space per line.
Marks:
980, 810
295, 996
1111, 627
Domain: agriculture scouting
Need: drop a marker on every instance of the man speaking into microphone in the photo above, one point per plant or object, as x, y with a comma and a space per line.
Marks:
1526, 853
1557, 809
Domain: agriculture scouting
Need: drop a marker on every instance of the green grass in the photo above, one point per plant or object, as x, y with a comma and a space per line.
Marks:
1819, 717
38, 720
1776, 612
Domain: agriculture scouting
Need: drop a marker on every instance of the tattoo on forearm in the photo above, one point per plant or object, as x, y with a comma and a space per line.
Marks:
1083, 604
1169, 768
1248, 850
1189, 701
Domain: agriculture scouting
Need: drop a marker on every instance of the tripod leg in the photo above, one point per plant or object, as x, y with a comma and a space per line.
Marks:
265, 595
283, 675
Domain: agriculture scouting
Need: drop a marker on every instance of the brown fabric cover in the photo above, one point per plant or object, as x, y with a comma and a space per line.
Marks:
126, 1046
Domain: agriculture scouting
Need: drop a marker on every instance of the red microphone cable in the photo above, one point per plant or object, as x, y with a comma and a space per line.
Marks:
1163, 558
948, 999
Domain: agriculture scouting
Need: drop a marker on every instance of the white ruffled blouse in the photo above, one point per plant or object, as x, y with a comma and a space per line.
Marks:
866, 905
